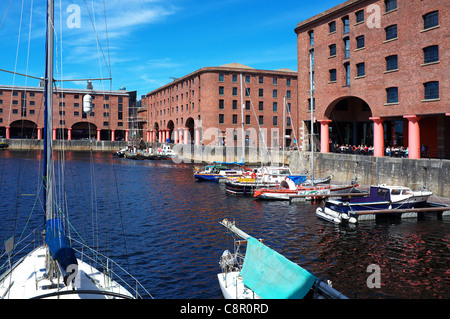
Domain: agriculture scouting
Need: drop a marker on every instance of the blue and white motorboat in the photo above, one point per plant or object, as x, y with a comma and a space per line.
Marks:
382, 197
216, 173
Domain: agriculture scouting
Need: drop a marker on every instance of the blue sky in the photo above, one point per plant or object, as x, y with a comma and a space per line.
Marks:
150, 41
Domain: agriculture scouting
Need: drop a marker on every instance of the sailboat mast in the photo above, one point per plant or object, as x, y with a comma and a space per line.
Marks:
242, 124
284, 125
311, 94
48, 138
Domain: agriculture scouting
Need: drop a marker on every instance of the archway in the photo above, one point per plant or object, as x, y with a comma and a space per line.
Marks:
170, 127
350, 121
156, 128
84, 130
190, 125
23, 129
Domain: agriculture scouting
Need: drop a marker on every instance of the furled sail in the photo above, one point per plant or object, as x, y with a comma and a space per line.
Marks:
59, 247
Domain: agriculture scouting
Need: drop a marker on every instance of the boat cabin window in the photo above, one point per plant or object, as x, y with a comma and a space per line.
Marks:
396, 192
383, 193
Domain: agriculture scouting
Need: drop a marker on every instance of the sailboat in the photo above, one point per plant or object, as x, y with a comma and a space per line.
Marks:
263, 273
52, 270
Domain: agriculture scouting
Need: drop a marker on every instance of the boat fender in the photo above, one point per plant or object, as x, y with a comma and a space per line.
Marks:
352, 220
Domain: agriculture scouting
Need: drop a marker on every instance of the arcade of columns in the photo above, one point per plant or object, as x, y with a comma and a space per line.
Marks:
378, 136
69, 134
180, 135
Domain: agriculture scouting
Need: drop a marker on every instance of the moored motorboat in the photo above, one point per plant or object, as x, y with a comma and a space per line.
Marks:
382, 198
216, 173
287, 189
264, 177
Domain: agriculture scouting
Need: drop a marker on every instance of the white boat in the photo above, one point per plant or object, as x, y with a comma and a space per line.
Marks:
262, 273
263, 177
53, 270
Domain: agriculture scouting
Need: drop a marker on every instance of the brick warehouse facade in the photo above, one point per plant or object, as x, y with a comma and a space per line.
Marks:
22, 113
203, 107
380, 75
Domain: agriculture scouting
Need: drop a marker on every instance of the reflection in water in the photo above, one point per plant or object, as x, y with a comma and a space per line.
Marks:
165, 226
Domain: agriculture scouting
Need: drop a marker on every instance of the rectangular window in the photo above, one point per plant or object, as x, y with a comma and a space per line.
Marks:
431, 90
431, 54
431, 20
234, 104
359, 16
221, 118
247, 105
288, 94
390, 5
261, 79
347, 73
275, 121
221, 77
275, 106
360, 42
288, 107
391, 63
235, 118
332, 26
346, 23
235, 91
311, 37
288, 82
261, 120
275, 94
333, 75
360, 69
314, 104
247, 79
234, 78
391, 32
221, 104
247, 92
392, 95
220, 90
247, 119
261, 93
275, 81
288, 121
261, 105
347, 47
332, 49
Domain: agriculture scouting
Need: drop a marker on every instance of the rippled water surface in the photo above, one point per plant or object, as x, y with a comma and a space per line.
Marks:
156, 219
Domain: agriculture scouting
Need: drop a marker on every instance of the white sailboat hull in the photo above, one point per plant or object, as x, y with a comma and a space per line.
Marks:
233, 287
27, 280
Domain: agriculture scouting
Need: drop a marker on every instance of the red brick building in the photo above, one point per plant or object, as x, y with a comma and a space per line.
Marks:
381, 75
22, 113
204, 107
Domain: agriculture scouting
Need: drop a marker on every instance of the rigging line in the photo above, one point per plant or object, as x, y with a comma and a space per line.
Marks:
260, 135
21, 74
96, 34
4, 17
15, 64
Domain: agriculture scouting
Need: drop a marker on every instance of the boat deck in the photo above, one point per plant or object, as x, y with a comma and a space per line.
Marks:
27, 280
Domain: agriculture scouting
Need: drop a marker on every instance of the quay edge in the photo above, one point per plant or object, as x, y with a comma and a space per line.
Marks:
73, 145
432, 174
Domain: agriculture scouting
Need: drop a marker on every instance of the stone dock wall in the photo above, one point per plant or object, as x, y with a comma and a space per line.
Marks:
433, 174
